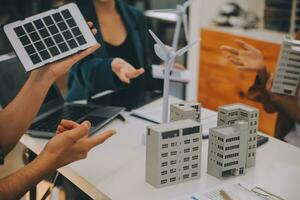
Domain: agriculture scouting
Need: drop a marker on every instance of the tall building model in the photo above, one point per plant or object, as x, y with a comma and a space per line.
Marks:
229, 114
173, 152
185, 110
288, 68
227, 149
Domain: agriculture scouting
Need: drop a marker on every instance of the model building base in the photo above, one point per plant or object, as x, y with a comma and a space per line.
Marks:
173, 153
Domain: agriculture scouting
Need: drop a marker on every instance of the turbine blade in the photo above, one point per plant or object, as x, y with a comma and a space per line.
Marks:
185, 26
187, 4
180, 52
165, 10
157, 40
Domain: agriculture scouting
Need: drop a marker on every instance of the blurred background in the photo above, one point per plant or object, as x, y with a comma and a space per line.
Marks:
213, 82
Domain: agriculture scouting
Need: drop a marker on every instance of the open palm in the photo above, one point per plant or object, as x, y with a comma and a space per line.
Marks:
246, 57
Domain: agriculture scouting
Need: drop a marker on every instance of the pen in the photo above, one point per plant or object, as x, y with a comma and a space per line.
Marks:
225, 195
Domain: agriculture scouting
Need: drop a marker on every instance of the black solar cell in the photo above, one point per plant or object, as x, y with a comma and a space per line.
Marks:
63, 47
39, 24
34, 36
76, 31
66, 14
19, 31
30, 49
67, 35
57, 17
29, 27
71, 22
54, 51
81, 40
35, 58
25, 40
49, 42
48, 20
72, 43
39, 46
58, 38
45, 55
62, 26
53, 30
44, 33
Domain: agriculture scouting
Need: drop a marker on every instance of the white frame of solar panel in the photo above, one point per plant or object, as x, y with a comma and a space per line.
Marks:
20, 50
286, 80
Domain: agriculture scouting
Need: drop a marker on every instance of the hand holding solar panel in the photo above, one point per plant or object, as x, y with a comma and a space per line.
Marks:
49, 36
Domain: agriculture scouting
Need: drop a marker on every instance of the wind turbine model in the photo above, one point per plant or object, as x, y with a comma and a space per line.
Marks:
181, 11
168, 55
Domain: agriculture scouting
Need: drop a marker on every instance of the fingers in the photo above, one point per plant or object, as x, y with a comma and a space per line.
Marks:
90, 24
135, 73
235, 60
69, 124
66, 125
179, 66
244, 45
79, 132
124, 78
99, 139
230, 50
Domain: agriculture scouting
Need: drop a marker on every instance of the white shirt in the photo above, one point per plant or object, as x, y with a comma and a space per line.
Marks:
293, 137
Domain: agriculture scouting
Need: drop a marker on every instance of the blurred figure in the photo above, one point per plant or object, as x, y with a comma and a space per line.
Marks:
121, 63
248, 58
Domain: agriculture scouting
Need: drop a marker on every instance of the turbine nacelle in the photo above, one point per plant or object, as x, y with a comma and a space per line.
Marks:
162, 54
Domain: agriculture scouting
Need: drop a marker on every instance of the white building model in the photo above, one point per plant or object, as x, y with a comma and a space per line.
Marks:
288, 68
232, 145
173, 152
185, 110
227, 149
229, 114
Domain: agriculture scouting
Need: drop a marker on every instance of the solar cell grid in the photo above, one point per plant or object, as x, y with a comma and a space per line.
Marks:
49, 35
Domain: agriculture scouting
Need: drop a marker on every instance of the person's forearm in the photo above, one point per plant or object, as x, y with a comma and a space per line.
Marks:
97, 75
287, 105
263, 76
17, 184
18, 115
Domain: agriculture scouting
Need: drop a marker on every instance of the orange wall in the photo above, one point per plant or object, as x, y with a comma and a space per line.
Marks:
220, 83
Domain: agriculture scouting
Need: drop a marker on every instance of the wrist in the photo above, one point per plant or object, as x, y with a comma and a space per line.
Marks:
42, 77
42, 166
263, 75
47, 162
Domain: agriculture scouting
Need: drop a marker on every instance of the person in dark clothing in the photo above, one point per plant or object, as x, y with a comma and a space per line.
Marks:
121, 63
248, 58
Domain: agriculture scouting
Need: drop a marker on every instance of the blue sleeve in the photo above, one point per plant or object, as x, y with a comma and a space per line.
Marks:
95, 74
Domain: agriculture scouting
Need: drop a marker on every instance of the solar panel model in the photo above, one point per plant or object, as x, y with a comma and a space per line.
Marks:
49, 36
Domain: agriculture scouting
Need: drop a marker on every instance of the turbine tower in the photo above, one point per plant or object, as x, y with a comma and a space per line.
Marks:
181, 11
168, 55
